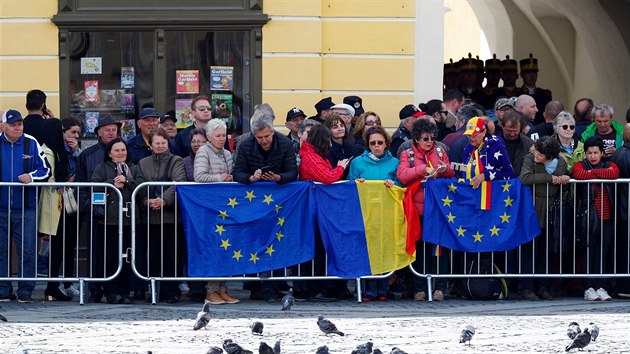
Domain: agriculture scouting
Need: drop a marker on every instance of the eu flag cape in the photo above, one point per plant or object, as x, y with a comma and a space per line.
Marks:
234, 229
363, 228
498, 216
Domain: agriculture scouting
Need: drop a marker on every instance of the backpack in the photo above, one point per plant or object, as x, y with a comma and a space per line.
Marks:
483, 288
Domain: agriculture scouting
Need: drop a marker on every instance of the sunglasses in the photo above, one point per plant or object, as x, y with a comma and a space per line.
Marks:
427, 138
370, 123
567, 127
198, 142
203, 108
377, 142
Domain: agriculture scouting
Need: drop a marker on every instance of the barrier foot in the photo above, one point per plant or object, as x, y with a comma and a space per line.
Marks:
153, 292
358, 280
81, 293
429, 290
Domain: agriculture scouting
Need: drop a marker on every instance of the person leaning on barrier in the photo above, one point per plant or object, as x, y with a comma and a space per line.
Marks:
622, 159
261, 111
598, 240
424, 160
571, 148
23, 161
545, 170
163, 234
198, 139
118, 171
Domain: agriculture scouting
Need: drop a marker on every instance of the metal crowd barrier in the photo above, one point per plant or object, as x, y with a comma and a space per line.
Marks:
79, 228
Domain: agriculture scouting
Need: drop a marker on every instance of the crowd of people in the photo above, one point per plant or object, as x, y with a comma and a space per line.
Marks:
461, 135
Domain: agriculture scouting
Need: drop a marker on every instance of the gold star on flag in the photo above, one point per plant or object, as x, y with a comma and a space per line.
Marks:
460, 231
220, 229
223, 214
279, 235
250, 195
225, 244
268, 199
232, 202
447, 201
508, 201
452, 188
253, 257
277, 208
280, 221
494, 230
506, 186
505, 218
270, 250
451, 217
477, 237
237, 255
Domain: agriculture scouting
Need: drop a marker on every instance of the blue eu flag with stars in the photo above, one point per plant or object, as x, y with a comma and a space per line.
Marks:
234, 229
453, 217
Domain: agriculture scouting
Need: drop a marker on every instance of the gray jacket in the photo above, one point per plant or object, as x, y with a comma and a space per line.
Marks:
154, 169
211, 162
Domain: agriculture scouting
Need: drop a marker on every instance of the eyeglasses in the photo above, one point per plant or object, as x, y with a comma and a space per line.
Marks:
203, 108
377, 142
198, 142
567, 127
370, 123
427, 138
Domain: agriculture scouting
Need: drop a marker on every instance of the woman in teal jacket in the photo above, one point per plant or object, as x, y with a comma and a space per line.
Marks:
376, 163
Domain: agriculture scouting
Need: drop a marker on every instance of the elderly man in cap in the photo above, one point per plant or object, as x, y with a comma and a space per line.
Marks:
323, 109
408, 115
23, 161
295, 116
106, 130
357, 103
167, 122
457, 141
139, 146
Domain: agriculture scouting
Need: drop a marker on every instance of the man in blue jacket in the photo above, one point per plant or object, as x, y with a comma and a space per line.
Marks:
23, 161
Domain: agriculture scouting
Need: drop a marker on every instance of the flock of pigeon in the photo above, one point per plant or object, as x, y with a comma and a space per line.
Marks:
579, 339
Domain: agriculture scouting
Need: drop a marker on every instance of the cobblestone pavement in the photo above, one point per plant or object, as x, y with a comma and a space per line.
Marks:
416, 327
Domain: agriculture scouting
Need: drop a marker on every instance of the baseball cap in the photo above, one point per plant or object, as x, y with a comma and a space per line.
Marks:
410, 110
11, 116
345, 106
294, 113
149, 112
502, 102
167, 116
356, 102
475, 126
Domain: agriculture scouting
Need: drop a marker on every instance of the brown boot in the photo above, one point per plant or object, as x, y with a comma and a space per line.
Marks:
228, 298
214, 299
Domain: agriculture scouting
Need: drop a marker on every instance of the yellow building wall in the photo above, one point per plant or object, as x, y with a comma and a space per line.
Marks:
28, 52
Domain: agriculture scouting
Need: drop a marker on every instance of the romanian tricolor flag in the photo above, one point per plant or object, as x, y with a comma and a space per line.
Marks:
365, 228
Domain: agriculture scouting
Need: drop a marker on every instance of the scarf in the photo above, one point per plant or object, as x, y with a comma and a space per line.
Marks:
123, 169
551, 166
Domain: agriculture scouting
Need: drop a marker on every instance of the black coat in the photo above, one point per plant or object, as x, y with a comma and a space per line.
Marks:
281, 159
622, 159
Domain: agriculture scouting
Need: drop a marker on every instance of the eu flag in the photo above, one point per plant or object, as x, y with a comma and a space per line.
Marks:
498, 216
234, 229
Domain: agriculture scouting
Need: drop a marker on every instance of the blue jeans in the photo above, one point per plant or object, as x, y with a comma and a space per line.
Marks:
23, 230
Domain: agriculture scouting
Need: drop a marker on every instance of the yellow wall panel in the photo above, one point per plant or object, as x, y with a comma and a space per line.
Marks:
282, 102
292, 36
292, 7
367, 74
292, 73
28, 8
368, 37
42, 38
24, 75
382, 8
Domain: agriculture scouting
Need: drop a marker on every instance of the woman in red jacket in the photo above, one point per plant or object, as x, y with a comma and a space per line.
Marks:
422, 161
314, 164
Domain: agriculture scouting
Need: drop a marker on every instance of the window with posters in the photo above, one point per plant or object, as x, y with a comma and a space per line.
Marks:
118, 57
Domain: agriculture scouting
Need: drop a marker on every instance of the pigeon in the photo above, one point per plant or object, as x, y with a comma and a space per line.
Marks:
467, 333
365, 348
377, 351
257, 327
327, 327
322, 350
573, 330
4, 319
203, 317
214, 350
580, 342
264, 348
396, 350
233, 348
276, 347
594, 330
288, 301
21, 349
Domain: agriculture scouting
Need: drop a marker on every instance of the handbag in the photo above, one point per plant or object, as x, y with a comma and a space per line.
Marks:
69, 202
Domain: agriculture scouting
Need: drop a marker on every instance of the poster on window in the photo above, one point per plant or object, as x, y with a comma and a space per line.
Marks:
221, 78
91, 66
187, 81
90, 122
127, 103
222, 107
92, 93
183, 113
127, 129
127, 77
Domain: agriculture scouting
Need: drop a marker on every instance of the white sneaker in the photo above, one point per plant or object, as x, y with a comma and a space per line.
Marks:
592, 295
603, 295
71, 291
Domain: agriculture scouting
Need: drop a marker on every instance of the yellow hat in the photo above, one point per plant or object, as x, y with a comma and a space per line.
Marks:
475, 125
